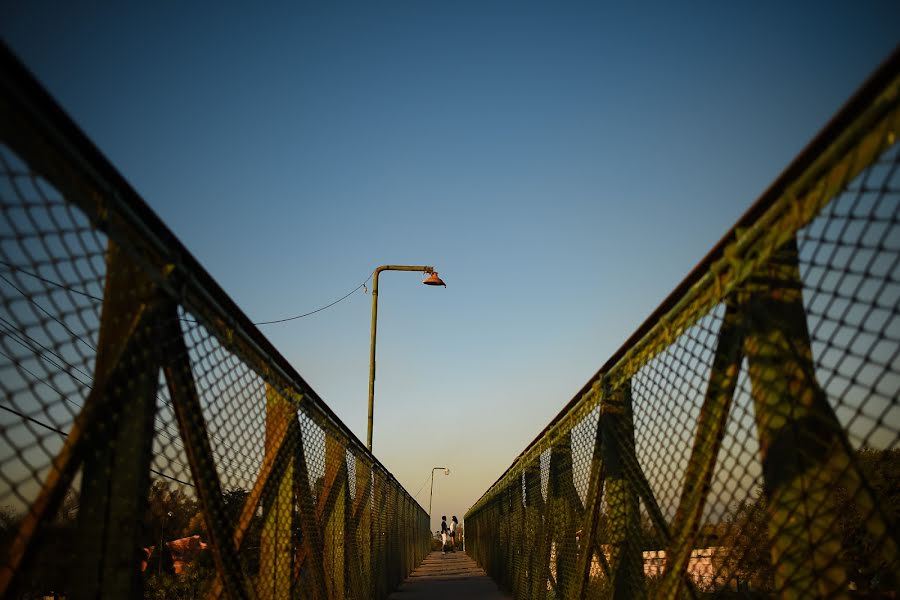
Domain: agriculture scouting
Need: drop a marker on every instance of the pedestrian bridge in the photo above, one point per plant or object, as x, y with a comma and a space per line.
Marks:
745, 439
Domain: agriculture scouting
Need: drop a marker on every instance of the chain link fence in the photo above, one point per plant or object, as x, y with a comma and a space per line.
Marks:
152, 443
746, 440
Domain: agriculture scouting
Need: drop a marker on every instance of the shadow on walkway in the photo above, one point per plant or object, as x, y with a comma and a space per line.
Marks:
451, 576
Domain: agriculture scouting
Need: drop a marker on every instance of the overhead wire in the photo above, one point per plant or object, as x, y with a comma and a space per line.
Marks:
341, 299
66, 398
64, 434
43, 310
166, 428
92, 297
72, 333
163, 429
416, 495
50, 281
24, 339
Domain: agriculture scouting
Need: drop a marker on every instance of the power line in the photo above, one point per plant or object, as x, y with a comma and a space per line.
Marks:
35, 377
22, 338
49, 281
19, 335
165, 429
64, 434
347, 295
92, 297
416, 495
41, 308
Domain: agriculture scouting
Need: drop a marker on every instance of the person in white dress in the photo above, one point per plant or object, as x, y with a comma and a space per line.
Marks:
454, 525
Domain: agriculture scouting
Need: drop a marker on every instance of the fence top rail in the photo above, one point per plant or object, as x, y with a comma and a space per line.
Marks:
884, 81
185, 277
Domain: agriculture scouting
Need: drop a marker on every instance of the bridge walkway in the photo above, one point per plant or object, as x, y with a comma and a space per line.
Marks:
450, 576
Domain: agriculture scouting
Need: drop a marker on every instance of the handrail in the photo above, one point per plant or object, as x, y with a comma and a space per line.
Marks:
237, 448
865, 97
747, 356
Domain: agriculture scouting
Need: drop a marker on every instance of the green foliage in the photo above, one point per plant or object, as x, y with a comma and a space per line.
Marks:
189, 585
746, 559
171, 514
9, 524
50, 569
861, 551
748, 563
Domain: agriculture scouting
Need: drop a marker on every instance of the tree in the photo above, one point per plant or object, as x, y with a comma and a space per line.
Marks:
747, 559
861, 551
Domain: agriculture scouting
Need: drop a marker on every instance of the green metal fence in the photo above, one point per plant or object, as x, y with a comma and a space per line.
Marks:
152, 442
746, 439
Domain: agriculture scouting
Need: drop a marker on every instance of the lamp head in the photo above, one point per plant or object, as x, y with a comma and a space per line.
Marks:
433, 279
446, 471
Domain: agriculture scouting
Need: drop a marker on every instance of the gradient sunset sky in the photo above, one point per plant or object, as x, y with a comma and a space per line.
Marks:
562, 164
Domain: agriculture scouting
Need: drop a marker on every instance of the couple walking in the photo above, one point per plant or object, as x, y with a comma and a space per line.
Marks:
448, 534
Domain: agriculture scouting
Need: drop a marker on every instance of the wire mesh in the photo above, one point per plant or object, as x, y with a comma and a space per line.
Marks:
152, 443
747, 441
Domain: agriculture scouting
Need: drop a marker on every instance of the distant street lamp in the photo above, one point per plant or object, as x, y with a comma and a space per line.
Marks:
446, 472
432, 279
162, 531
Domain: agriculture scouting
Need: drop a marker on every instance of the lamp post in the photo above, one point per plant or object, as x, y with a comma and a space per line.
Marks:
162, 531
432, 279
433, 469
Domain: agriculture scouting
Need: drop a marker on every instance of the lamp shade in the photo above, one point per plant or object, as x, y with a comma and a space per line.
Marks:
433, 279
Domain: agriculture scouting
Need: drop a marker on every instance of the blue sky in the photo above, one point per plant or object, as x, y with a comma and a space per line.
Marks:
563, 165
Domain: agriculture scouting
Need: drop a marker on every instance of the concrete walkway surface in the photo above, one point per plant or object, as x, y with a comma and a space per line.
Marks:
451, 576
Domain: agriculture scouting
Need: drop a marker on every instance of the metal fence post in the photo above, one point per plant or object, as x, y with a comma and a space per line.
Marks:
361, 564
538, 534
591, 521
379, 541
519, 541
394, 567
192, 427
275, 554
565, 512
707, 441
623, 518
116, 471
501, 564
804, 449
311, 550
334, 512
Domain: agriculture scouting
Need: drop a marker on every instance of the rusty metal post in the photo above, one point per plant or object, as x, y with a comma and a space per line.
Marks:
591, 519
539, 535
804, 448
276, 552
707, 441
626, 561
116, 471
519, 544
379, 527
312, 547
362, 530
192, 427
335, 514
565, 512
424, 269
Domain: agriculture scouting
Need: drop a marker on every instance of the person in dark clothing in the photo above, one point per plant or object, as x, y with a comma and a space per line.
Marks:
445, 534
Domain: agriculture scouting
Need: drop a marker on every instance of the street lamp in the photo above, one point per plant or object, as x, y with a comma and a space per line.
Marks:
162, 531
432, 279
446, 472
